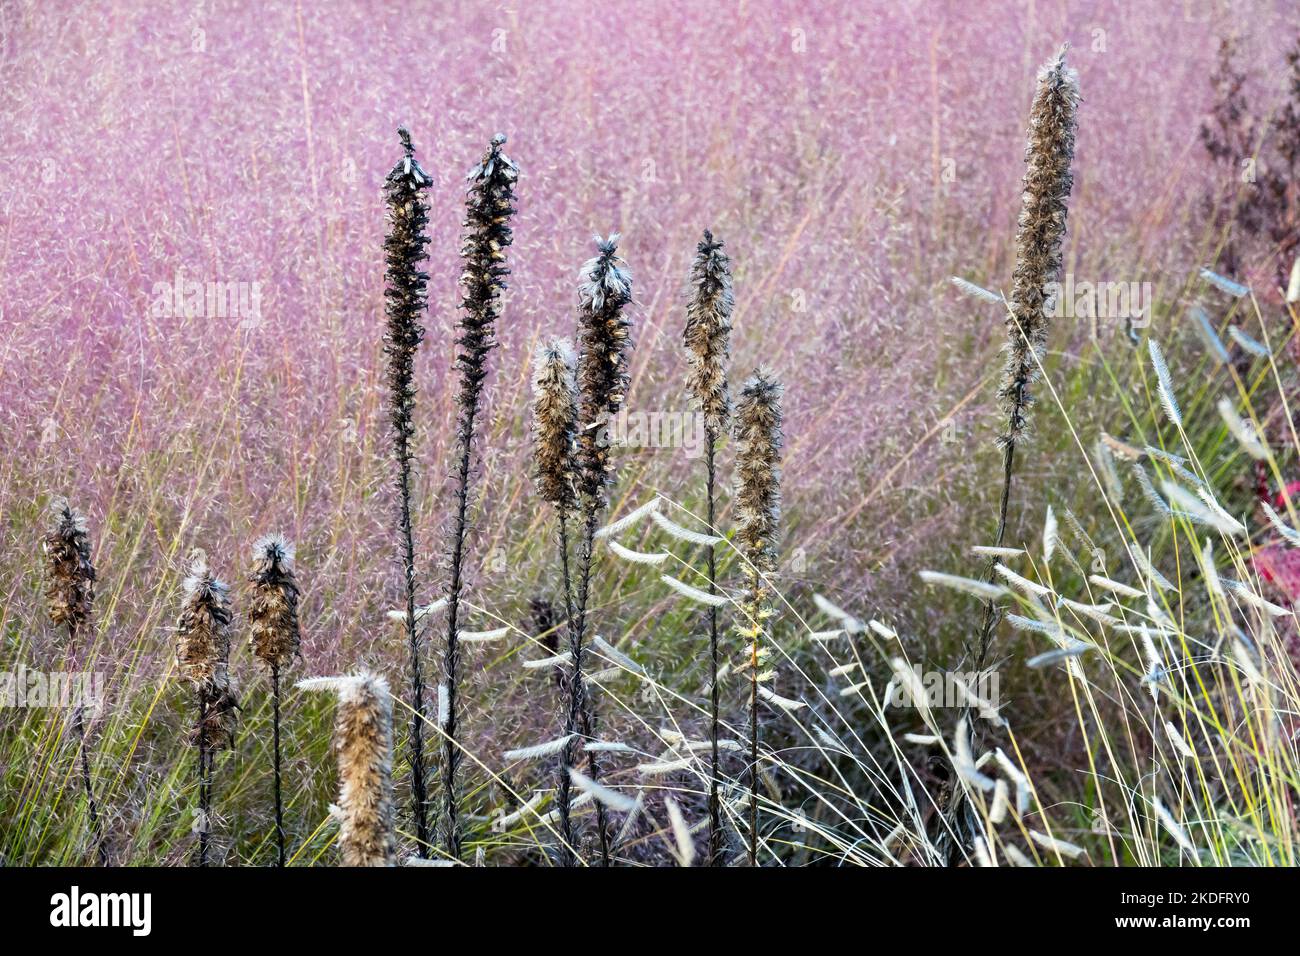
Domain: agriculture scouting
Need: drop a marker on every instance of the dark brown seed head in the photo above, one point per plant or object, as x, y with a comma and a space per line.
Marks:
555, 423
758, 485
69, 571
1044, 205
604, 347
273, 612
708, 326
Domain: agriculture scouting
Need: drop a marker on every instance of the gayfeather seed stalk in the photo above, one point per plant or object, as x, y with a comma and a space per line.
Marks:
488, 209
708, 327
404, 296
203, 659
275, 640
604, 347
70, 595
758, 523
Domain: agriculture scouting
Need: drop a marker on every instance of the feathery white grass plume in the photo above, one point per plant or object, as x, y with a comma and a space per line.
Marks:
983, 858
659, 767
616, 801
1053, 845
1059, 654
1285, 530
964, 763
1257, 349
608, 746
444, 705
1115, 587
924, 740
1051, 534
503, 822
582, 800
980, 589
888, 633
683, 534
1051, 628
1247, 594
1224, 284
1001, 802
988, 551
695, 594
1293, 285
1164, 384
910, 683
538, 751
544, 663
1150, 571
681, 833
1198, 509
1109, 474
699, 746
1172, 826
829, 740
1156, 672
1149, 491
784, 703
637, 557
420, 612
613, 654
1097, 612
1016, 857
843, 669
482, 637
1021, 583
1017, 778
1176, 463
826, 635
1209, 336
421, 861
854, 689
629, 519
1246, 661
1179, 741
975, 291
831, 609
1245, 433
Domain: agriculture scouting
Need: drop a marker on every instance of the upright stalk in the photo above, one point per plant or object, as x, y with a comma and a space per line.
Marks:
405, 299
488, 209
706, 337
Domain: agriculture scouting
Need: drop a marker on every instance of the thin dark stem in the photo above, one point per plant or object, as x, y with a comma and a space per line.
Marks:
580, 716
715, 811
753, 751
79, 728
275, 734
451, 656
418, 798
205, 778
563, 783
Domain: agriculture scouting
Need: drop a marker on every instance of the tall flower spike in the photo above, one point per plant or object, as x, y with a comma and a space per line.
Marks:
203, 651
758, 515
555, 423
604, 346
69, 571
1041, 227
273, 613
488, 209
708, 325
405, 298
363, 737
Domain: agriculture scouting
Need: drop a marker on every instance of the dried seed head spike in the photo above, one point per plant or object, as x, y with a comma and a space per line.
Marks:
69, 571
203, 629
273, 613
708, 326
758, 465
364, 740
555, 423
604, 347
1044, 206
